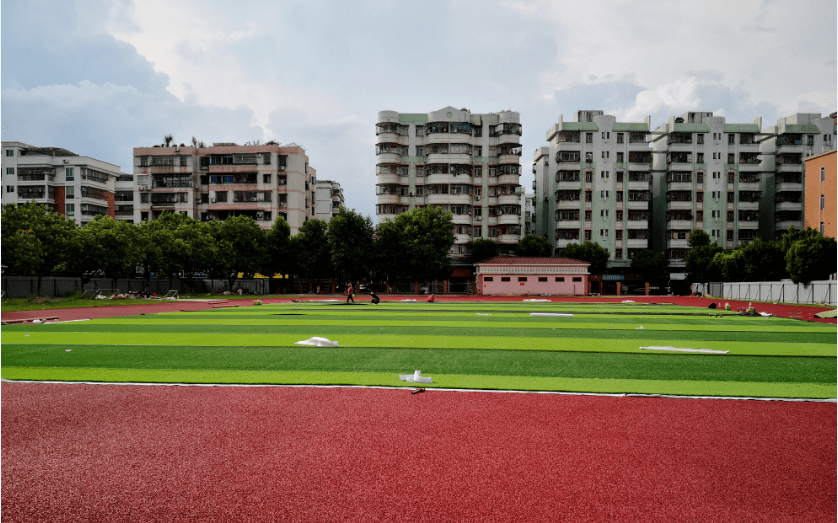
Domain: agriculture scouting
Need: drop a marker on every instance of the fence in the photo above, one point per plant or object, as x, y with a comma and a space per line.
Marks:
784, 291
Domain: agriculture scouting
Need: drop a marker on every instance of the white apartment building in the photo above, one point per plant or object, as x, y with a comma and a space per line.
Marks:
462, 162
783, 148
708, 177
328, 200
227, 179
528, 216
599, 185
79, 187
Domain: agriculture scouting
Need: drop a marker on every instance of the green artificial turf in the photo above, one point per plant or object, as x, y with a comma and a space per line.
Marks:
467, 345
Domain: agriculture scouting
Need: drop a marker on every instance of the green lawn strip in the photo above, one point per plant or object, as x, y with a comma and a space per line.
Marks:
382, 322
388, 340
478, 362
332, 331
612, 386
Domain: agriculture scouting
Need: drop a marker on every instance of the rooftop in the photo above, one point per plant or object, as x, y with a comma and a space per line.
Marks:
525, 260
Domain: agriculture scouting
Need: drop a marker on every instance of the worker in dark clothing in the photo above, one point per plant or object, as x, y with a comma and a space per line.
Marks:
375, 299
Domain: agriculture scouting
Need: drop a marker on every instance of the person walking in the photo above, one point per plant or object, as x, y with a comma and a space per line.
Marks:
349, 291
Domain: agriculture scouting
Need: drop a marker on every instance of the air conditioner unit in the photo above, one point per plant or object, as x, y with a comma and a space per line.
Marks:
212, 200
280, 168
260, 215
478, 218
261, 198
410, 194
477, 198
143, 187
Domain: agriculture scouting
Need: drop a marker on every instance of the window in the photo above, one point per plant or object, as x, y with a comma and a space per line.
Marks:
731, 139
699, 157
823, 174
488, 278
542, 279
69, 175
822, 201
10, 188
522, 278
810, 139
11, 152
11, 170
560, 279
606, 154
589, 137
731, 158
821, 229
619, 137
504, 278
266, 178
589, 176
420, 150
220, 196
577, 278
588, 235
699, 178
700, 138
70, 209
620, 158
70, 192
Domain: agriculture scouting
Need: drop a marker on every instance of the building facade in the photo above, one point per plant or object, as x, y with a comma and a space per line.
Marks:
214, 183
328, 200
465, 163
596, 180
79, 187
783, 149
707, 176
505, 275
819, 208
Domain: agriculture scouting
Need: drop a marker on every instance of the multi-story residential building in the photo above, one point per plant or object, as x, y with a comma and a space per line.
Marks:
708, 177
602, 190
329, 199
79, 187
528, 216
544, 201
783, 148
124, 196
465, 163
214, 183
819, 208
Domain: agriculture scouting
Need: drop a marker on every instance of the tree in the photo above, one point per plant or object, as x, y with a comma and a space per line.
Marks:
279, 258
199, 248
388, 251
810, 256
483, 249
592, 253
312, 248
534, 245
350, 241
247, 240
428, 235
700, 264
764, 260
649, 265
167, 140
46, 244
113, 247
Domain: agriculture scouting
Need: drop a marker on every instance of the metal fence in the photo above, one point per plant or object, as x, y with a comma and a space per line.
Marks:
51, 286
785, 291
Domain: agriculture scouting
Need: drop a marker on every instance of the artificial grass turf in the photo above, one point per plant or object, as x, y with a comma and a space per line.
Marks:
530, 383
655, 366
644, 335
384, 339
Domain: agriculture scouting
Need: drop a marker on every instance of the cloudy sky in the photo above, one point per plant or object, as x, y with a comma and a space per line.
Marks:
101, 77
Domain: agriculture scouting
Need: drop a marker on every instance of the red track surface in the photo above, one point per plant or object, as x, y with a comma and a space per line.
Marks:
161, 453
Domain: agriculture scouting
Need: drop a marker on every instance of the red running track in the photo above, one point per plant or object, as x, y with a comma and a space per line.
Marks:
172, 453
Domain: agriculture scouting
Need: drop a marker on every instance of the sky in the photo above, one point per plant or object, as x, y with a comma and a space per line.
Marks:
101, 77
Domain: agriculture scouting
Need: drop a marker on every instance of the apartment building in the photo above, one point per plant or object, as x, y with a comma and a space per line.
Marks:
599, 186
784, 148
328, 200
528, 216
462, 162
227, 179
79, 187
707, 176
819, 208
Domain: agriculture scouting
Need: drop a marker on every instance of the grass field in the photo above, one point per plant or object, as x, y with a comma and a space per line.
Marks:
463, 345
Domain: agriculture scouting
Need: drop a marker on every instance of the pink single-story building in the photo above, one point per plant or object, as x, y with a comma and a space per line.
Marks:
521, 275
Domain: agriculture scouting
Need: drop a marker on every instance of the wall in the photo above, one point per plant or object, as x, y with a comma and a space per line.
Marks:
784, 291
532, 285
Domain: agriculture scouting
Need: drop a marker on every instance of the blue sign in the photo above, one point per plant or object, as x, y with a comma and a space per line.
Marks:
613, 277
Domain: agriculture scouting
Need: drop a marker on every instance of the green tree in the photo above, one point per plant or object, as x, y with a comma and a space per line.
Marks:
649, 265
732, 264
247, 240
810, 257
764, 260
590, 252
54, 233
388, 249
700, 264
198, 250
113, 247
350, 241
483, 249
428, 235
534, 245
312, 248
279, 258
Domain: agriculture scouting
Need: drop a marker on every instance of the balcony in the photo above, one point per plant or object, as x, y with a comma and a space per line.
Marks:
509, 238
567, 185
637, 224
679, 224
785, 224
568, 204
676, 244
637, 243
562, 243
509, 219
567, 224
385, 198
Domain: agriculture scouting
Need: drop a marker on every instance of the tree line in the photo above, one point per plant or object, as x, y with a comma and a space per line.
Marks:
41, 243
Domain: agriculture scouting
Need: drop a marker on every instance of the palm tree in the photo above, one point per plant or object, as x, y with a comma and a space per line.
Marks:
167, 140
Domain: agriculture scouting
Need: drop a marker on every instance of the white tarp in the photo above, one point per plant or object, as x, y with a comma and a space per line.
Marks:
319, 342
706, 351
559, 314
416, 377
